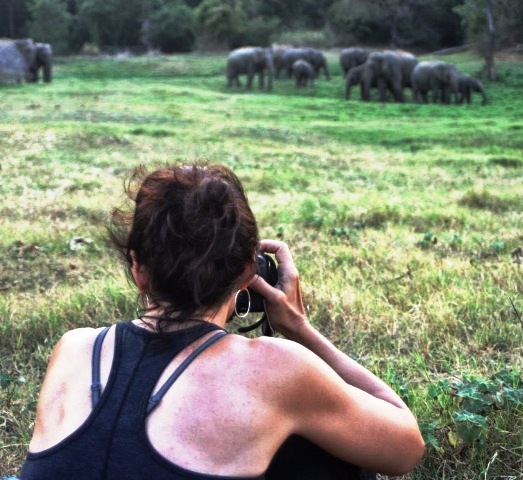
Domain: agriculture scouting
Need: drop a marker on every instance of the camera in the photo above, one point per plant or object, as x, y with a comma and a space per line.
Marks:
268, 270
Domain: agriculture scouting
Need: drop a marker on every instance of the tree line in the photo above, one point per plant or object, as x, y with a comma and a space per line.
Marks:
185, 25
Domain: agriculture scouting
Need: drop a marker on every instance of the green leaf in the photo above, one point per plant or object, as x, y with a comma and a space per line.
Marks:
5, 380
465, 416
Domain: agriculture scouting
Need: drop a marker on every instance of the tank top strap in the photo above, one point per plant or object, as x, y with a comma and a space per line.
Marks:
96, 386
156, 398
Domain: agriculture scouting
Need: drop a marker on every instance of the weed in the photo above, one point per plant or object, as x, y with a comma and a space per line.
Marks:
485, 200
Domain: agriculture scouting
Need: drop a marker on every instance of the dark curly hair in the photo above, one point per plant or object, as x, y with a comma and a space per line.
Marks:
192, 230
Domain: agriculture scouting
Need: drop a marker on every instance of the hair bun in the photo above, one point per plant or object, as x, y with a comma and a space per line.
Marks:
214, 198
213, 217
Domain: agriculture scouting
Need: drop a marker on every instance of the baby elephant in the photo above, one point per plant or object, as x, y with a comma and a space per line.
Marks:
467, 85
303, 73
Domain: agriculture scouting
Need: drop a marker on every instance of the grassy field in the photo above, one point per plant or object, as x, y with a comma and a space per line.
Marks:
405, 220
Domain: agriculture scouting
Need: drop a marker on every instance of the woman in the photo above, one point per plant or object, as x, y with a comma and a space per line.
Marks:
114, 405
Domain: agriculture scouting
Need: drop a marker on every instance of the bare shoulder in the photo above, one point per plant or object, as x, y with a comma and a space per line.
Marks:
284, 359
73, 345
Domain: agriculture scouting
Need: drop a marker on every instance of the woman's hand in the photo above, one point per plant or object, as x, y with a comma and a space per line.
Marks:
283, 302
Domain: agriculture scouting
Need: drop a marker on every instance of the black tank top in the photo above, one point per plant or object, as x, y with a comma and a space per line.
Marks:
112, 444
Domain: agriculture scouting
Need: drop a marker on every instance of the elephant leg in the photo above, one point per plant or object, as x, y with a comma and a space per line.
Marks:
47, 73
445, 96
261, 80
250, 76
382, 88
365, 92
397, 93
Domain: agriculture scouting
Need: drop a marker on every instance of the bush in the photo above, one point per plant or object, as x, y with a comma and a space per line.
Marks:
172, 29
221, 23
51, 23
257, 31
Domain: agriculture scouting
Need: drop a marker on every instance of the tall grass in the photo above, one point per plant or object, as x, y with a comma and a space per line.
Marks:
405, 221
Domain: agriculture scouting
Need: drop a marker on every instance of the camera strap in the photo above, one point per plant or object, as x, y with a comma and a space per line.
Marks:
267, 329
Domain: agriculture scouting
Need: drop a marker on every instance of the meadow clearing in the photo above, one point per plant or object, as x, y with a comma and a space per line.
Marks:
405, 220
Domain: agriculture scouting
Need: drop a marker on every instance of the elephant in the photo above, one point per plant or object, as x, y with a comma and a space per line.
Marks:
250, 61
43, 60
22, 59
352, 57
467, 85
355, 76
277, 59
391, 71
16, 57
435, 76
315, 57
303, 73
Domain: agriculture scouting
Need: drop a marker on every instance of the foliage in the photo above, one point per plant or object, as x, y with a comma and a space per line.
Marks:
423, 23
113, 22
14, 18
508, 21
227, 24
173, 28
51, 23
358, 22
470, 405
221, 23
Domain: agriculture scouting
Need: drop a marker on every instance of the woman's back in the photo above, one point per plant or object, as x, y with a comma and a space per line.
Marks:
217, 418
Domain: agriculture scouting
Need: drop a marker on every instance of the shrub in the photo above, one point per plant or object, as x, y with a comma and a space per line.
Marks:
51, 24
484, 200
172, 29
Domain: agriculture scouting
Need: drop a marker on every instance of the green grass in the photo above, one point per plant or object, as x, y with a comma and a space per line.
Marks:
404, 220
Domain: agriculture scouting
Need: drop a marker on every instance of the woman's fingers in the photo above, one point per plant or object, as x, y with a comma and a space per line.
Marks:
287, 272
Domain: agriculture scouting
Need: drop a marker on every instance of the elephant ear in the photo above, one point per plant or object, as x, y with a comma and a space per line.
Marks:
27, 49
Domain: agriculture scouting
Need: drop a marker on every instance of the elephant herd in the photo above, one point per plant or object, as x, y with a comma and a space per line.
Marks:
302, 64
389, 72
392, 71
23, 59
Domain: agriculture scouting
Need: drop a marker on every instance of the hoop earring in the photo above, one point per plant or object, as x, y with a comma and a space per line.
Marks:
243, 315
140, 312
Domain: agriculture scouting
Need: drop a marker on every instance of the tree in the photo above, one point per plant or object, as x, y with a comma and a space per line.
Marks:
172, 28
400, 23
113, 22
221, 22
14, 18
491, 25
51, 23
